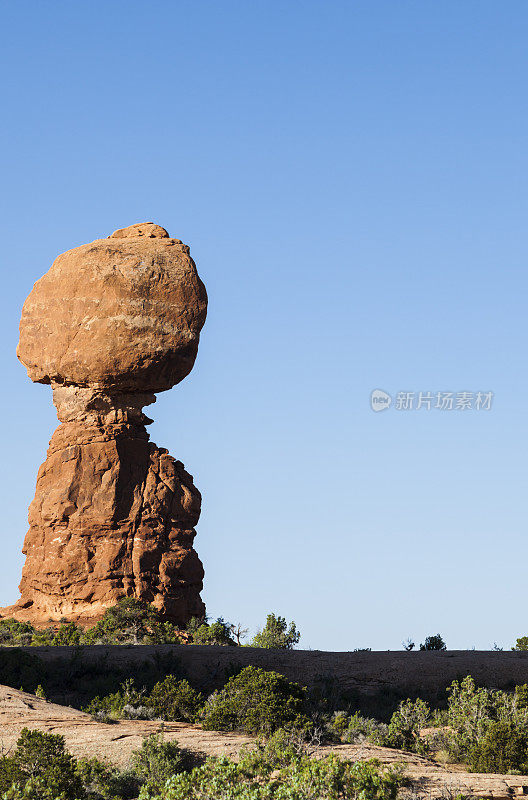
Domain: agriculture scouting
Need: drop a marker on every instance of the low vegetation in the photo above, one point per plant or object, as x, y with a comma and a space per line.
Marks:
132, 621
40, 768
258, 777
486, 730
277, 634
170, 699
256, 702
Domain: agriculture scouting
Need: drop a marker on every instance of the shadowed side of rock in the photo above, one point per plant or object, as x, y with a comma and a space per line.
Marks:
113, 516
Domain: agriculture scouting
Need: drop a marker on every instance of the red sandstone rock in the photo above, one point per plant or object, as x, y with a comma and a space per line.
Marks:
113, 515
122, 313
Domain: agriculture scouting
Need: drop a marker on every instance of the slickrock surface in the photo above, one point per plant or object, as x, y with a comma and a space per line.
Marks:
115, 743
366, 674
109, 325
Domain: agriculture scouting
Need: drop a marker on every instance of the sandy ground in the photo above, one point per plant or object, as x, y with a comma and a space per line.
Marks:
115, 743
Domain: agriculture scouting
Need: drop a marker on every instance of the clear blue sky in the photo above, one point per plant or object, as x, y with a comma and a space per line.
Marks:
352, 180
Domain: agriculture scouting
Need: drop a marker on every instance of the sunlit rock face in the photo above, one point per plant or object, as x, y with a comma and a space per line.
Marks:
109, 325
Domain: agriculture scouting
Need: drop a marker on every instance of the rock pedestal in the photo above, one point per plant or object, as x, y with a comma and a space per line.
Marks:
109, 325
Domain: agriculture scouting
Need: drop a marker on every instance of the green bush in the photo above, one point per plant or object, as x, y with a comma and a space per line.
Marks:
405, 726
356, 729
36, 789
9, 773
469, 710
13, 632
302, 778
101, 782
169, 699
41, 769
174, 700
123, 703
402, 732
218, 633
130, 620
156, 762
275, 751
433, 643
256, 702
68, 634
503, 747
521, 644
43, 638
162, 633
487, 727
276, 634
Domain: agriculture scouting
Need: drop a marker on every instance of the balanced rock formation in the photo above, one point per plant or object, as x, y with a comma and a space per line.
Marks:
110, 324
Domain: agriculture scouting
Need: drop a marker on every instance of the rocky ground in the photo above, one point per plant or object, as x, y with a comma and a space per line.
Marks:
114, 743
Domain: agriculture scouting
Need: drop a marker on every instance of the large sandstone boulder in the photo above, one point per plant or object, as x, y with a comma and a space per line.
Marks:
110, 324
122, 313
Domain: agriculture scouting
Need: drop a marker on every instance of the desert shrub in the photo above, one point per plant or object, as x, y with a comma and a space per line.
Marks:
469, 710
15, 633
218, 632
171, 699
275, 751
22, 633
355, 728
68, 633
9, 773
36, 789
256, 702
402, 732
101, 782
488, 728
302, 778
521, 643
162, 633
123, 703
156, 762
339, 723
276, 634
43, 769
502, 747
130, 620
195, 623
433, 643
43, 637
405, 725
